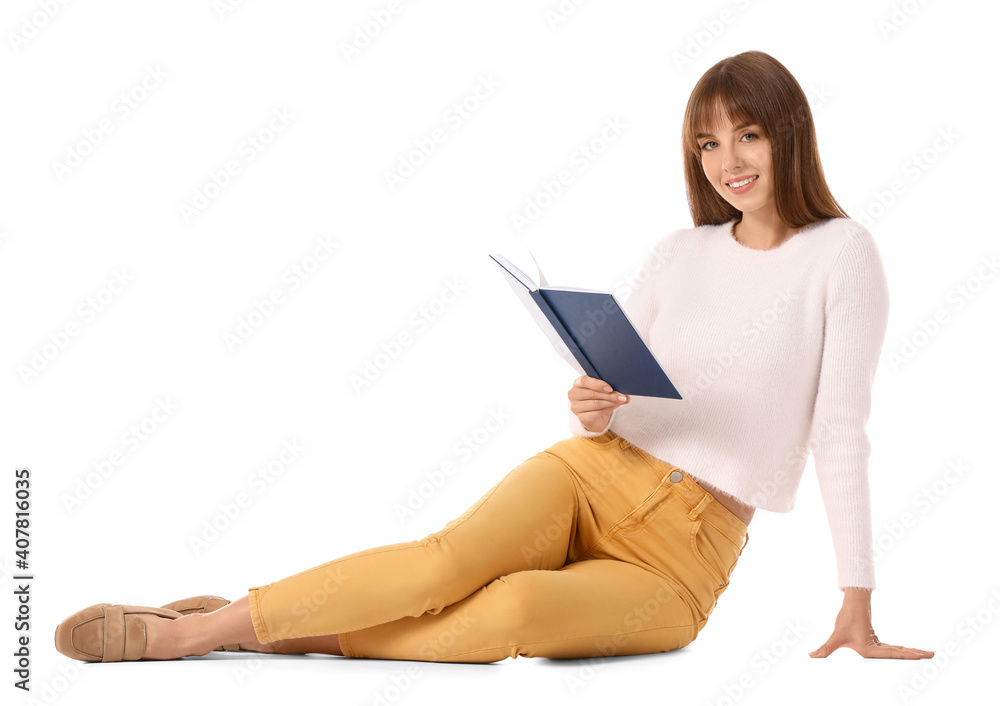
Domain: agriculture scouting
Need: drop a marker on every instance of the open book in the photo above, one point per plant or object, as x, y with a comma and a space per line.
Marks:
591, 332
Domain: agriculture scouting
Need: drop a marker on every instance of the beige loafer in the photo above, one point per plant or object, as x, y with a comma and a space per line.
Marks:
197, 604
107, 632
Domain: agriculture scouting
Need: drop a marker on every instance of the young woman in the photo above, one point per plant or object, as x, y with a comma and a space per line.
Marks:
771, 311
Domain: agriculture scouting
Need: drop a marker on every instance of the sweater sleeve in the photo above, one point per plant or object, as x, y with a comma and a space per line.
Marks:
641, 307
856, 317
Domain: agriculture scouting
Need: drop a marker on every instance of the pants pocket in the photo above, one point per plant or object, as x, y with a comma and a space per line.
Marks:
647, 511
714, 551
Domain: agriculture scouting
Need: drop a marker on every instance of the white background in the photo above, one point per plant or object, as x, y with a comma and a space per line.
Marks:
880, 98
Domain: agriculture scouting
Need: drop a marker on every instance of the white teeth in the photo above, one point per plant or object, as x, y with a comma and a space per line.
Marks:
738, 184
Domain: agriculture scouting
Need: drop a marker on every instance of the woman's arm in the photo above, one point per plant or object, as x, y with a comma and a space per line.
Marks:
857, 312
856, 316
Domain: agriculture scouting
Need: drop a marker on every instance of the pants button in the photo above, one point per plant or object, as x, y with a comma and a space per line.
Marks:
676, 476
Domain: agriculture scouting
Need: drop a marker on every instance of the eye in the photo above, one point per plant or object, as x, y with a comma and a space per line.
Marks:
705, 145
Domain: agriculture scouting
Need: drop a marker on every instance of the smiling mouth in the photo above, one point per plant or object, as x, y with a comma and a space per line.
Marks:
744, 182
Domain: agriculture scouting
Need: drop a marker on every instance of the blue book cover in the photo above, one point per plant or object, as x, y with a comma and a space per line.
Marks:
592, 333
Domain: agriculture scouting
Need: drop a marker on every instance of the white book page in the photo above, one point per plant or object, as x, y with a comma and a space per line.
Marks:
543, 322
542, 282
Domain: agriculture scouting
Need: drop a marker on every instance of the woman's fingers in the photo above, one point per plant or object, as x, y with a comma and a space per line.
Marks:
884, 651
893, 652
600, 389
595, 405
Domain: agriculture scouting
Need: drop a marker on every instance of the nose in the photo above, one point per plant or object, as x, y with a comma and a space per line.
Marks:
731, 161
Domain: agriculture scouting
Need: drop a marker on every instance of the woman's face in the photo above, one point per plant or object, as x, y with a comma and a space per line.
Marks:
730, 154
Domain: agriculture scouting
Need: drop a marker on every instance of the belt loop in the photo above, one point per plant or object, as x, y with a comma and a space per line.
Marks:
696, 510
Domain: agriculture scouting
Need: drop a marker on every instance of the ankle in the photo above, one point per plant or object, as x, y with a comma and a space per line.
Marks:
190, 636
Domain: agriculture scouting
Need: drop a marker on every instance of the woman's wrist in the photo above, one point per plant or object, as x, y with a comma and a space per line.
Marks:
858, 598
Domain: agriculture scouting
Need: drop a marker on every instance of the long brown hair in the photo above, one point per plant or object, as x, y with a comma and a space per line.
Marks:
756, 88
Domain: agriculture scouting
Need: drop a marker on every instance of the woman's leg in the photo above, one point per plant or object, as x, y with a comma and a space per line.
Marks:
591, 608
526, 521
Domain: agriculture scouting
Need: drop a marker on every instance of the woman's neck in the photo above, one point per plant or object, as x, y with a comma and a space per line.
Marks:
750, 232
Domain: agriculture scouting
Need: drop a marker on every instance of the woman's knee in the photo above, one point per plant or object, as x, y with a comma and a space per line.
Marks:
522, 605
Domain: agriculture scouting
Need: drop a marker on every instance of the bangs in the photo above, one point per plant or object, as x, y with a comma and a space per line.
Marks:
712, 103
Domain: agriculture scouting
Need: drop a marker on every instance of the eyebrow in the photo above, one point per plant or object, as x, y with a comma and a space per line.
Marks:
738, 127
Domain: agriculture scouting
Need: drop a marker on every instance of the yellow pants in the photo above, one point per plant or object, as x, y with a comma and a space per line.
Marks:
589, 548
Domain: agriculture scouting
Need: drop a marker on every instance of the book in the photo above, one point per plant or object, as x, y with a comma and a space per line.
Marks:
590, 331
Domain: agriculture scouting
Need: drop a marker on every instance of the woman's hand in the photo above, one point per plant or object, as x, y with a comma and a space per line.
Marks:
593, 401
853, 628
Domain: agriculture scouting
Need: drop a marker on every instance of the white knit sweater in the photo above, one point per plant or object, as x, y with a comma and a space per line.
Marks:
774, 353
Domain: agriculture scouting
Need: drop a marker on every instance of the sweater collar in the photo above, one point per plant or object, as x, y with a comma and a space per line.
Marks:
794, 242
